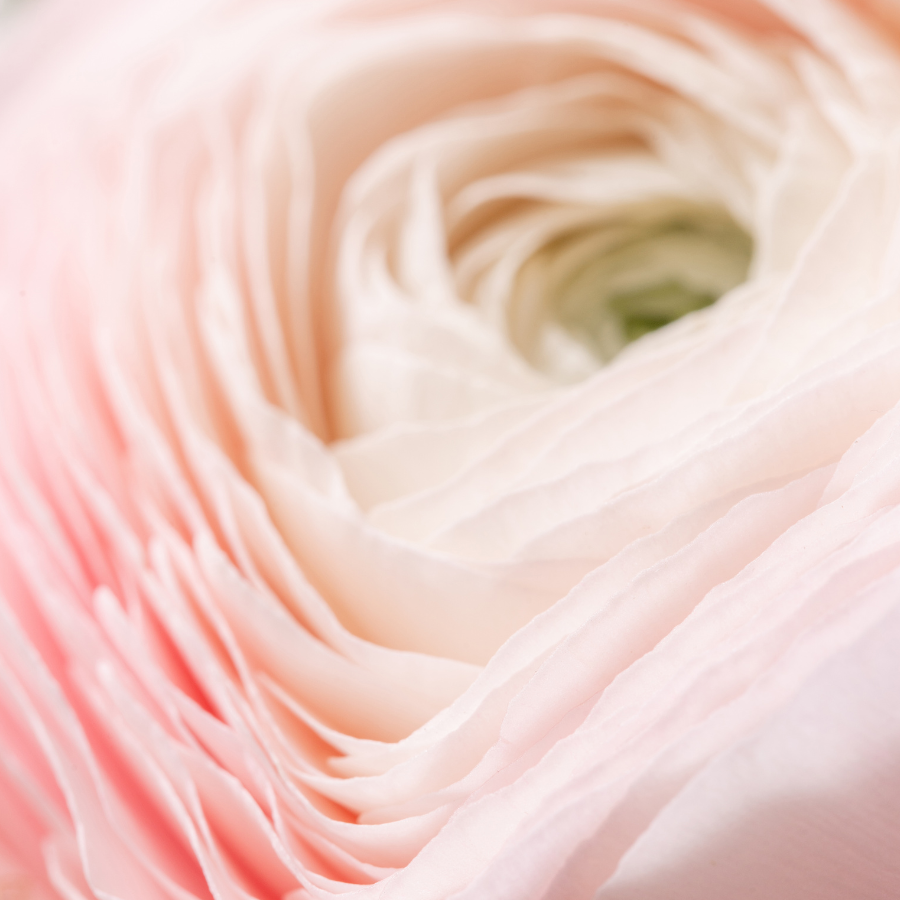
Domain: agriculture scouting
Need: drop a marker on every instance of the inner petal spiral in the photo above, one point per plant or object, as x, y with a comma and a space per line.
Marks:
518, 245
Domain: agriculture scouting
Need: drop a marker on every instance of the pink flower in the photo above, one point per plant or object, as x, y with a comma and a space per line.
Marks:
450, 449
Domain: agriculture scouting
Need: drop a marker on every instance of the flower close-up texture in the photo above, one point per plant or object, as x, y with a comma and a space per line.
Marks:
450, 449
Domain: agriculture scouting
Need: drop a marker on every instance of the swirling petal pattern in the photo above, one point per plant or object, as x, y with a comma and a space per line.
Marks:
361, 531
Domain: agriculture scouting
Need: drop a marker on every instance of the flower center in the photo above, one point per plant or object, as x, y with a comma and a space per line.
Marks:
587, 294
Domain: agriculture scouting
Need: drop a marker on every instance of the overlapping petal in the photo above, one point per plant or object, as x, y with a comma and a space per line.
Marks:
336, 560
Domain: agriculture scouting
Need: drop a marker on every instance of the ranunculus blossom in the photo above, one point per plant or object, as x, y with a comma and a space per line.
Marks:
450, 449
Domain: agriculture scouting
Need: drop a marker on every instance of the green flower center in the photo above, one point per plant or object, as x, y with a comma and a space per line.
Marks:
587, 295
